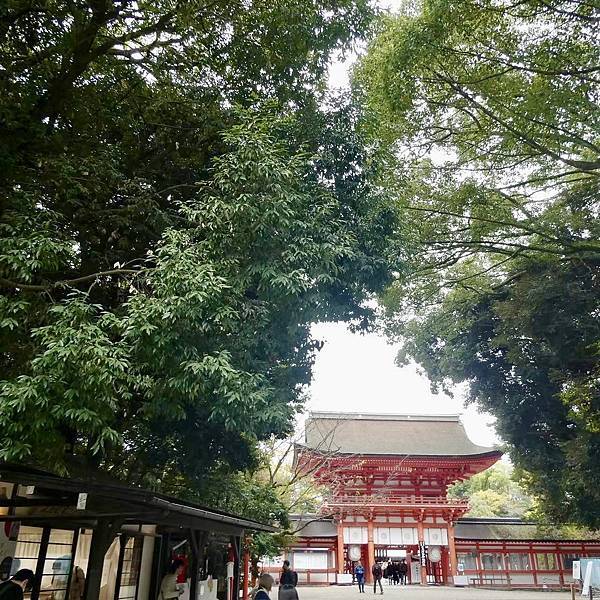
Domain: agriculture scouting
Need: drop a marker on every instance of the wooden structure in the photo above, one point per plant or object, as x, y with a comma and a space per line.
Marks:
122, 538
511, 553
387, 477
496, 552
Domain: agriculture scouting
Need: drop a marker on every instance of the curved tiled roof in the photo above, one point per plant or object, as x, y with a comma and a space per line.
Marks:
390, 434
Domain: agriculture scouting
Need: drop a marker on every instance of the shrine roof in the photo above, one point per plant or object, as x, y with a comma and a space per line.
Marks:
511, 529
390, 434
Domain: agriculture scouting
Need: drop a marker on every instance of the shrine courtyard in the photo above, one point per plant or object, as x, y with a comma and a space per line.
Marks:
424, 593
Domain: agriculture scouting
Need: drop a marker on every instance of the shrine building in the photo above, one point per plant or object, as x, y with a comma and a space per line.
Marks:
386, 477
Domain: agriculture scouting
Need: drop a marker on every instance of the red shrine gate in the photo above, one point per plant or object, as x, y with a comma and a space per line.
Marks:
387, 476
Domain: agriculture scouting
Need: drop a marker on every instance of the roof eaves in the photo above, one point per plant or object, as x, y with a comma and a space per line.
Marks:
133, 495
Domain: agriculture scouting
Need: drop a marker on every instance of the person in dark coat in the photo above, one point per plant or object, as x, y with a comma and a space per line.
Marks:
396, 573
288, 580
377, 575
403, 569
15, 587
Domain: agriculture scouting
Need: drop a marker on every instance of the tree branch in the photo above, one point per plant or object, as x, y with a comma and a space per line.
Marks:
7, 283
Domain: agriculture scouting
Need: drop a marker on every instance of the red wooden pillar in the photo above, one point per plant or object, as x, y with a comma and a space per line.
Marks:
452, 550
371, 550
246, 588
340, 548
421, 536
445, 561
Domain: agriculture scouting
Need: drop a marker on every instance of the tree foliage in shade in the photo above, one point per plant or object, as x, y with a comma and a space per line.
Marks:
179, 204
492, 109
525, 350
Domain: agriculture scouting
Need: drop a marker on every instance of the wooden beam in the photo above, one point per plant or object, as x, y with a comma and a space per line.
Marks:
49, 502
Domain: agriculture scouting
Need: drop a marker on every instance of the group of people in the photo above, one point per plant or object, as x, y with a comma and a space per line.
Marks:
396, 572
393, 571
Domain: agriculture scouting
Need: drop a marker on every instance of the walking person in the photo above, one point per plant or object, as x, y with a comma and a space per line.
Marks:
403, 569
377, 576
288, 580
359, 574
17, 585
396, 573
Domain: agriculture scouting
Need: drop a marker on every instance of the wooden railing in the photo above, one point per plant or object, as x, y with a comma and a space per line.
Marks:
414, 500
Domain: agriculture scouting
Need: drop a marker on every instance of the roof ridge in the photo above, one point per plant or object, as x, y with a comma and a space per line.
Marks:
326, 414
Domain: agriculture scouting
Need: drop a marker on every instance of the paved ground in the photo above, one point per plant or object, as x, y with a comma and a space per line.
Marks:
422, 593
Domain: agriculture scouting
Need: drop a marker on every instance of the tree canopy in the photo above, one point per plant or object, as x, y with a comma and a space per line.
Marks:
179, 203
491, 108
493, 493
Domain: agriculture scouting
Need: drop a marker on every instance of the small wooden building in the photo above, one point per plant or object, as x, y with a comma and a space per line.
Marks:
122, 539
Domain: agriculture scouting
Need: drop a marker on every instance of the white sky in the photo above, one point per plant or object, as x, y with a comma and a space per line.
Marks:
357, 373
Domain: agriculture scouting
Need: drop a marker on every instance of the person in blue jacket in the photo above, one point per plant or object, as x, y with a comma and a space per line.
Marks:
359, 573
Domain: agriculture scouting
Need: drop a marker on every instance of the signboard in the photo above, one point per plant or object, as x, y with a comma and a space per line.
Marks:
576, 570
422, 554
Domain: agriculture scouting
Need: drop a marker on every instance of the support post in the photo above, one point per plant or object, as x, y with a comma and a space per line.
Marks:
39, 571
102, 538
340, 548
370, 550
194, 564
452, 551
236, 566
421, 536
146, 568
246, 588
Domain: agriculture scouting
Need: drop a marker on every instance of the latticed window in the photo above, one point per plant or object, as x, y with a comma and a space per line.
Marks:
491, 561
132, 559
468, 560
518, 561
546, 562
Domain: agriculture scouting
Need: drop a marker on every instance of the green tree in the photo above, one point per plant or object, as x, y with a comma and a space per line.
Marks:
492, 109
178, 206
493, 493
524, 348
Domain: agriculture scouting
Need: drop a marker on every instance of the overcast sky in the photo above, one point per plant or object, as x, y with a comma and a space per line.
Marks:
357, 372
